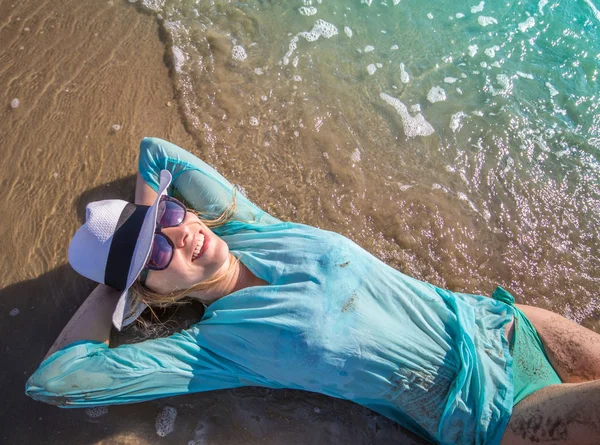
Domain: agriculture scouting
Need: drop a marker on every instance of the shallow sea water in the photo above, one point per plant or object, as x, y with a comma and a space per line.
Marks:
458, 141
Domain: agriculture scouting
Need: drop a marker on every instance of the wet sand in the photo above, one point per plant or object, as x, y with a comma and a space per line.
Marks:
91, 79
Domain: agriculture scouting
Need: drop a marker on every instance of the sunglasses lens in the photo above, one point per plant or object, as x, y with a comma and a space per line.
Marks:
162, 252
171, 213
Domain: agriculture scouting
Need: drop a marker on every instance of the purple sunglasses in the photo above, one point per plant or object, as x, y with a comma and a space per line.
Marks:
171, 213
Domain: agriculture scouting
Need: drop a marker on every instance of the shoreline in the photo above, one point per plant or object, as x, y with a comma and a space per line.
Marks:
62, 151
84, 105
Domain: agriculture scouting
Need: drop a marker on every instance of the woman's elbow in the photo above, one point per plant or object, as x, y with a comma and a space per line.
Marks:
47, 392
63, 392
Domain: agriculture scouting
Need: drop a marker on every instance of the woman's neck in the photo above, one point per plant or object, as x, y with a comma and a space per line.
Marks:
238, 277
245, 278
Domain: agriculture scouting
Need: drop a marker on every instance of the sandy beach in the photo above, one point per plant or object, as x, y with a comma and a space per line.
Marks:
90, 82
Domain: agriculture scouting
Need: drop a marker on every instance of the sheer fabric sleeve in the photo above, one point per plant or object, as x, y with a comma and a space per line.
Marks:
90, 374
196, 182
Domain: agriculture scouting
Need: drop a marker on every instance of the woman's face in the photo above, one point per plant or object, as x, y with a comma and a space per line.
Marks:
198, 255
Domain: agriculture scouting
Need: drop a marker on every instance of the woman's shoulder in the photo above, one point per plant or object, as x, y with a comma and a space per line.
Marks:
281, 229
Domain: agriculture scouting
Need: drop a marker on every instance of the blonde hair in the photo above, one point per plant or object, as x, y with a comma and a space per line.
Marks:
154, 299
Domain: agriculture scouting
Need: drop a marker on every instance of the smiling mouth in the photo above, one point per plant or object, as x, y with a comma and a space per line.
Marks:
198, 249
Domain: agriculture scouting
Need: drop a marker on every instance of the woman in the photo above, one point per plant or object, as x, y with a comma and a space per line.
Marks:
292, 306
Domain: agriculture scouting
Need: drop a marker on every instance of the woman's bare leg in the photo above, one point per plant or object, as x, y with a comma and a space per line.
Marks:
573, 350
567, 414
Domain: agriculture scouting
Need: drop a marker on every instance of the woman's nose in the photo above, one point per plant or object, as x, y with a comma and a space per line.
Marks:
179, 235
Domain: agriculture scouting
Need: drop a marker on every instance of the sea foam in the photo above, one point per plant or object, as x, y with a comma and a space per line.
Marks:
96, 411
527, 24
478, 8
179, 58
553, 91
154, 5
307, 10
525, 75
404, 77
436, 94
486, 21
456, 121
321, 28
491, 51
239, 53
595, 10
165, 421
413, 126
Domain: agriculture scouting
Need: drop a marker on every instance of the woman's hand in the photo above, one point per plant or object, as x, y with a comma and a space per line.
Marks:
92, 321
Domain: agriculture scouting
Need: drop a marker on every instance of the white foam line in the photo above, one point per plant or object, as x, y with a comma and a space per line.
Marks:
155, 5
321, 28
404, 77
594, 9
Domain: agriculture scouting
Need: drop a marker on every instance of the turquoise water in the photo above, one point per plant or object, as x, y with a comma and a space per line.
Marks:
452, 139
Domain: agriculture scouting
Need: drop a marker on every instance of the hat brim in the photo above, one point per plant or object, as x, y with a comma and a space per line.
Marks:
127, 310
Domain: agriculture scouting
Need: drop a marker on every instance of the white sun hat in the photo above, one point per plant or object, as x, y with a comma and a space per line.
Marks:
113, 246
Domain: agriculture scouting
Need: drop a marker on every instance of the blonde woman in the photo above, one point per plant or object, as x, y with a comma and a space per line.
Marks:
292, 306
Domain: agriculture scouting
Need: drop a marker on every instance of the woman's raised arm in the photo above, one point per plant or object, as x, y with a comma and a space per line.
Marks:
92, 321
144, 194
200, 185
88, 373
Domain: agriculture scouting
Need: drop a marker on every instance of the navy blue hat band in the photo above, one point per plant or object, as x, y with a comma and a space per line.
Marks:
123, 244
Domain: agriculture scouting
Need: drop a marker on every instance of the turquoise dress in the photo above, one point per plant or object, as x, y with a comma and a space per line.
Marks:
333, 320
